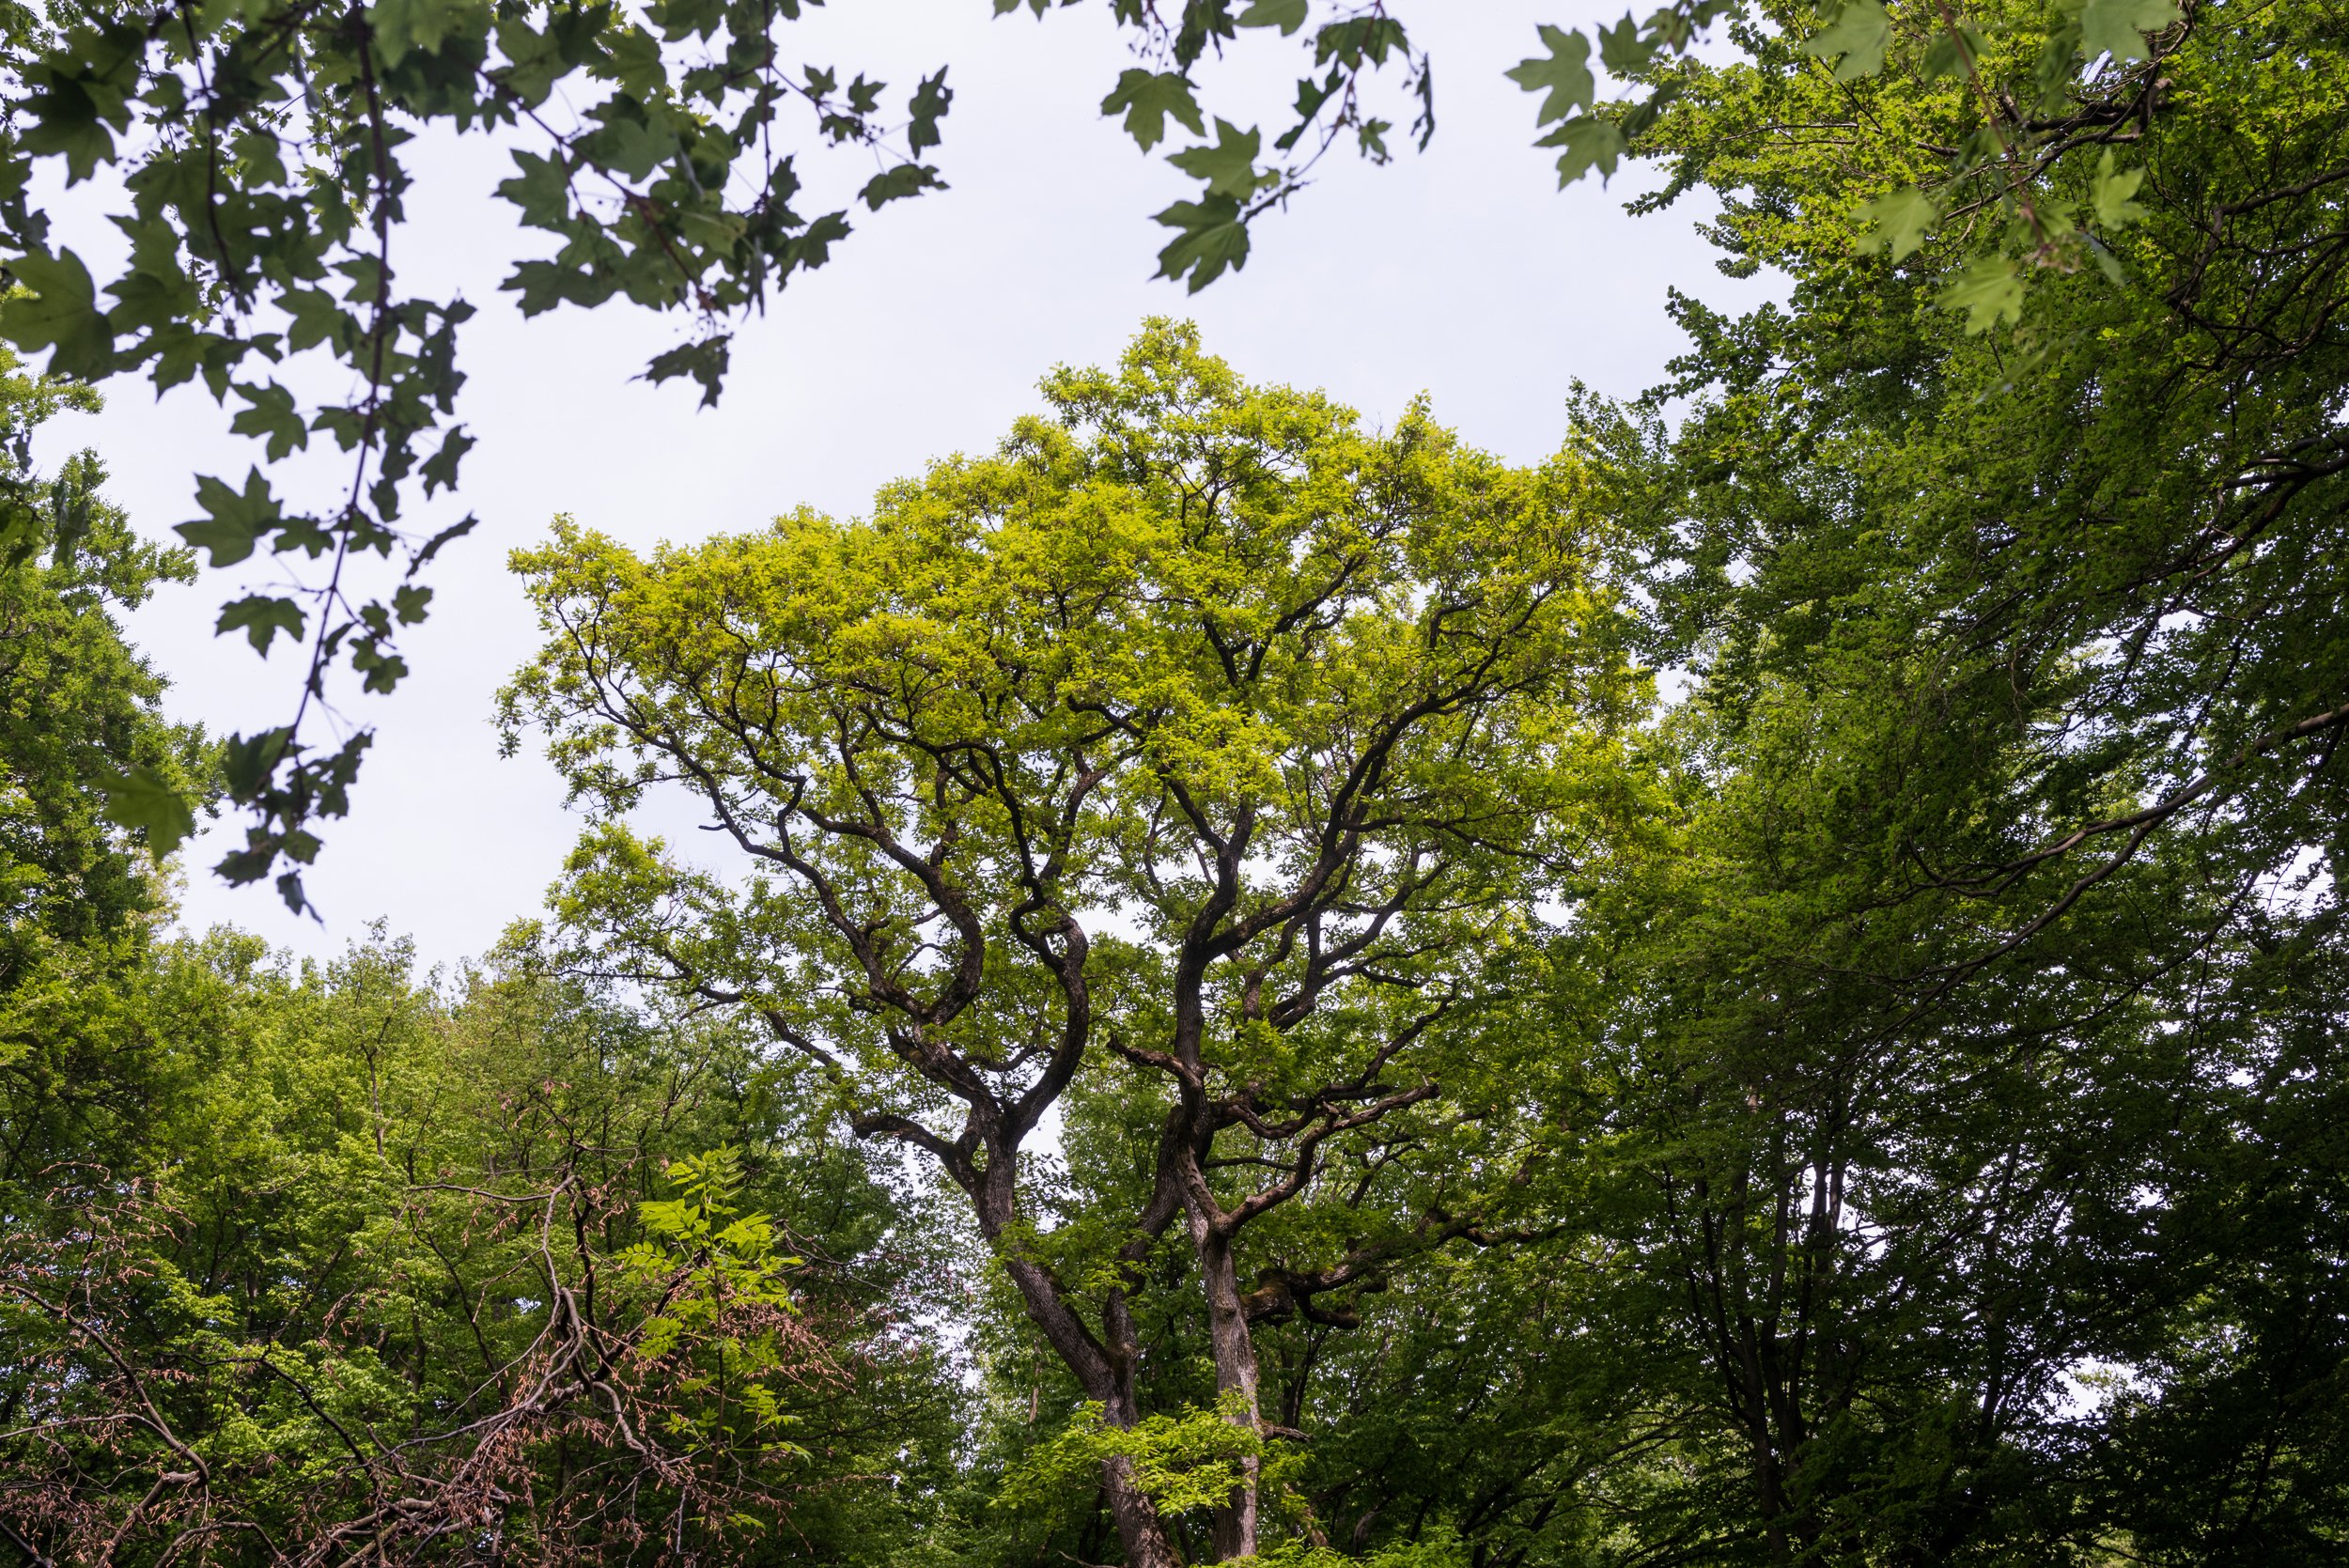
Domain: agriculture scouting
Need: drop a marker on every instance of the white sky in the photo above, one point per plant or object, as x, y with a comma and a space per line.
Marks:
1460, 272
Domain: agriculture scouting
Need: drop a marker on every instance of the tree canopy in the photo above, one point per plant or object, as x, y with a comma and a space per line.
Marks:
1199, 742
1767, 990
263, 155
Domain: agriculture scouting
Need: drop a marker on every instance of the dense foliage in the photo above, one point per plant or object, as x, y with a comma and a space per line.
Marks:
263, 154
1768, 990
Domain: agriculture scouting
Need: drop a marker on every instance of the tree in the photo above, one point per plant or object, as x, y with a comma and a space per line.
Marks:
511, 1270
2005, 924
2119, 525
1198, 749
79, 709
80, 716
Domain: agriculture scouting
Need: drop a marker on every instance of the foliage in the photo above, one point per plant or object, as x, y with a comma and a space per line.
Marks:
79, 710
263, 152
1186, 1462
1994, 936
1320, 714
391, 1266
1406, 1097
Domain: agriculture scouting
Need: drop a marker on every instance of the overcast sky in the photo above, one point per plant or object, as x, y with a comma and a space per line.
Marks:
1459, 271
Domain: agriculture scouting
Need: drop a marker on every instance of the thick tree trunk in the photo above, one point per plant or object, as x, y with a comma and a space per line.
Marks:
1139, 1527
1234, 1380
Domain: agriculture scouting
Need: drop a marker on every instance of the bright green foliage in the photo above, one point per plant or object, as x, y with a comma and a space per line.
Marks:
708, 1260
1191, 1462
1191, 767
1997, 125
264, 153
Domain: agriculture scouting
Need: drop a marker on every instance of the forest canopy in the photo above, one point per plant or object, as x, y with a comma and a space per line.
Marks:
1266, 987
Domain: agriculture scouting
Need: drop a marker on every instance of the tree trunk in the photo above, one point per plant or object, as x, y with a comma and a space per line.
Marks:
1104, 1371
1139, 1527
1234, 1380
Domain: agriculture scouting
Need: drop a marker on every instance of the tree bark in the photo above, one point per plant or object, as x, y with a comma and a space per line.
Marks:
1236, 1377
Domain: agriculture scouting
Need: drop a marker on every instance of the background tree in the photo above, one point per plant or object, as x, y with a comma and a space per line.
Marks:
434, 1274
2008, 903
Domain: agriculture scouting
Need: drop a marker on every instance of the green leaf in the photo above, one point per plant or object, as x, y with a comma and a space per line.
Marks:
143, 800
422, 26
317, 318
1214, 238
1565, 77
60, 313
543, 190
1622, 51
928, 105
1148, 98
906, 179
263, 619
432, 546
440, 470
1229, 168
1287, 15
2107, 263
2118, 27
1988, 291
1590, 143
2110, 194
1853, 38
706, 361
630, 146
1952, 52
237, 517
271, 415
246, 761
1900, 222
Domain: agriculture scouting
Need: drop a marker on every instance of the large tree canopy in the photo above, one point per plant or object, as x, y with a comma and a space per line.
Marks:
1199, 740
